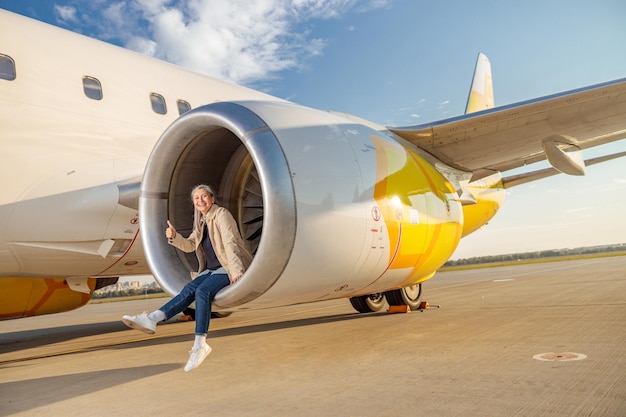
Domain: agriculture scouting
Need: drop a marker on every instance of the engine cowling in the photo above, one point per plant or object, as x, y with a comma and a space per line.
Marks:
330, 208
26, 297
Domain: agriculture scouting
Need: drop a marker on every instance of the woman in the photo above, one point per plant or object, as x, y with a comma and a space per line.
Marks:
222, 258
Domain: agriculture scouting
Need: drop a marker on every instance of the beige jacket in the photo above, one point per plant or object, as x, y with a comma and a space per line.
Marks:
227, 243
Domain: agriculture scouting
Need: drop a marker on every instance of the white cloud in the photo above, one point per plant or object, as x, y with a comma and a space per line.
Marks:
143, 45
326, 9
240, 40
235, 40
115, 14
66, 14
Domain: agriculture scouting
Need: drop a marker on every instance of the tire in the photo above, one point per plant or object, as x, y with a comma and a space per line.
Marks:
410, 296
368, 303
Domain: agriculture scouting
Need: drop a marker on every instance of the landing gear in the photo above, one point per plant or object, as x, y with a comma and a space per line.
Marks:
368, 303
410, 296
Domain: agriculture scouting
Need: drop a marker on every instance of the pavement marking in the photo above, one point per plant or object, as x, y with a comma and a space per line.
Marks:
560, 356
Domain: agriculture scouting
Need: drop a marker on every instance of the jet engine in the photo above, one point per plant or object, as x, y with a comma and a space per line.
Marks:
329, 207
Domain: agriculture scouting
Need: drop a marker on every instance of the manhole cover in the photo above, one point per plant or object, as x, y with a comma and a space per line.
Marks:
560, 356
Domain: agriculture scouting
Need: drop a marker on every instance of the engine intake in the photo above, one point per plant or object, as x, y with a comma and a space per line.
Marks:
229, 147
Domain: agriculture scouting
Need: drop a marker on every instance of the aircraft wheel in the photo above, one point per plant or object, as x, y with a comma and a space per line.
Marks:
368, 303
410, 296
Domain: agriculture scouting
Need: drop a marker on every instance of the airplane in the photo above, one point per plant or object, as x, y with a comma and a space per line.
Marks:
102, 145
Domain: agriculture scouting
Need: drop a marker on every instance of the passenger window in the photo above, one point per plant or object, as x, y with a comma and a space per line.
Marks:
92, 88
7, 68
183, 107
158, 103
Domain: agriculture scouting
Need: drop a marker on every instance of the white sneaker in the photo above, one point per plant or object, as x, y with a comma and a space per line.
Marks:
197, 356
140, 322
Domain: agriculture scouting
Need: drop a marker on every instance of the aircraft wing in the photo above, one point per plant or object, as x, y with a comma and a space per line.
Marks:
507, 137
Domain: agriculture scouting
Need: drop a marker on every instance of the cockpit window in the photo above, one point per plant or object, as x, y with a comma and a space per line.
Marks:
7, 68
183, 107
92, 88
158, 103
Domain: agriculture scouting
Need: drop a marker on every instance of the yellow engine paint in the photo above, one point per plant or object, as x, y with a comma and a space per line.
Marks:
422, 218
489, 194
25, 297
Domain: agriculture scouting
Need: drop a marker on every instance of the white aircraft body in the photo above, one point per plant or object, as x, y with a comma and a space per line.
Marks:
100, 149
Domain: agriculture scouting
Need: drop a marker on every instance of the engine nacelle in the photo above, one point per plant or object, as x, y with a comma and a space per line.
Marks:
26, 297
330, 208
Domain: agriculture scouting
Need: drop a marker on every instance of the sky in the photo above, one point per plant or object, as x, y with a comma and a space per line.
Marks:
399, 63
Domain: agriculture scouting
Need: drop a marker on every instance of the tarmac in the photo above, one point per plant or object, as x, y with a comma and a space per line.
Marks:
526, 340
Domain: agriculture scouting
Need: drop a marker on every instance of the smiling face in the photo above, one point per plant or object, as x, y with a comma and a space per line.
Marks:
203, 200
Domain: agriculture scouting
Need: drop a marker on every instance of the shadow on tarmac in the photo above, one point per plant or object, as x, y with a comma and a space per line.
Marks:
29, 394
15, 341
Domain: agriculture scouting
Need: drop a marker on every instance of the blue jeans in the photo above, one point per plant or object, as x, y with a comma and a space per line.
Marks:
202, 290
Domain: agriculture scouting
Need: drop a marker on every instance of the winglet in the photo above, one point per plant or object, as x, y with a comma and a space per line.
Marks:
481, 94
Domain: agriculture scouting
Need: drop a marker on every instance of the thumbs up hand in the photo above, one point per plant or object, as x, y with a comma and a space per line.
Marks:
170, 232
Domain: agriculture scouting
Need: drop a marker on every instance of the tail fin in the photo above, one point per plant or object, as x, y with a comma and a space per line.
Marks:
481, 94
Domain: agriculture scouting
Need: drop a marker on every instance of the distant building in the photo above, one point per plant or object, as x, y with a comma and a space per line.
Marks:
126, 288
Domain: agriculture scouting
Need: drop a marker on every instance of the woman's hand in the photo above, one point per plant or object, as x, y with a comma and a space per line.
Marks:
170, 232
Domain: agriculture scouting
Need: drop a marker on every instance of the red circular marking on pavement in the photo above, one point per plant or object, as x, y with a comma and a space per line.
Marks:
560, 356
